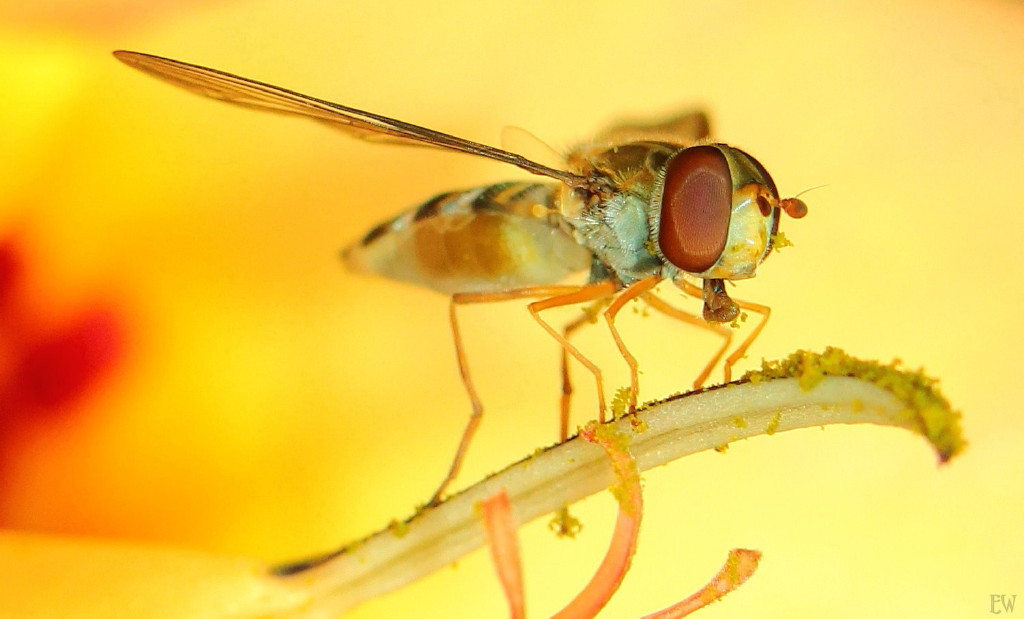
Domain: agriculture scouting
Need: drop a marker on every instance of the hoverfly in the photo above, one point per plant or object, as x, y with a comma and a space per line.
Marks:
638, 205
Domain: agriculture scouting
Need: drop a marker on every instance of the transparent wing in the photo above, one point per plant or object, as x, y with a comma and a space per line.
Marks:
683, 130
365, 125
518, 140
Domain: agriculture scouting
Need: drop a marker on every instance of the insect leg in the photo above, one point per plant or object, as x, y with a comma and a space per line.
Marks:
589, 315
581, 294
569, 329
672, 312
460, 354
763, 310
633, 291
757, 308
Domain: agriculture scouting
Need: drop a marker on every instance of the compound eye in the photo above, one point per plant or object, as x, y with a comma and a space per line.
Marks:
695, 208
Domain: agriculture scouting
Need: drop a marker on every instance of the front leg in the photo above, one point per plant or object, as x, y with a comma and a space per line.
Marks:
634, 290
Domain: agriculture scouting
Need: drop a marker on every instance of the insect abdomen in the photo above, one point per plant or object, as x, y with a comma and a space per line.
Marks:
486, 239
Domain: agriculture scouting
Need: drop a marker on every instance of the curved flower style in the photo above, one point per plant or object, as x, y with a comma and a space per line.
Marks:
805, 390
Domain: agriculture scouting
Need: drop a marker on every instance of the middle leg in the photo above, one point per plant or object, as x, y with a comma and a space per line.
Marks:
757, 308
722, 331
556, 296
571, 327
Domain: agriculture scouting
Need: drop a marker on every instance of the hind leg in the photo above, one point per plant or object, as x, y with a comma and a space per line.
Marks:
555, 296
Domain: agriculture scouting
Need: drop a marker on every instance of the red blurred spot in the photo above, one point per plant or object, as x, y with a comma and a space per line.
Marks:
48, 369
10, 271
58, 368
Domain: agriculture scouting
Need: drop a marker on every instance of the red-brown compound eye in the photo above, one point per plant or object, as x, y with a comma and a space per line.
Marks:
695, 208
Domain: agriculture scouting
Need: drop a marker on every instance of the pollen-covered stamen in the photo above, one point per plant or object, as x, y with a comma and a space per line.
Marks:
739, 566
628, 493
500, 526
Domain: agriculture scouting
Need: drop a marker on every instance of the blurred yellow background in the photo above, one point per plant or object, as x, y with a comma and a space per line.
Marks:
255, 399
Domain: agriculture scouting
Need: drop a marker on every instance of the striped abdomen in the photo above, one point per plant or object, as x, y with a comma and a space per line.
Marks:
486, 239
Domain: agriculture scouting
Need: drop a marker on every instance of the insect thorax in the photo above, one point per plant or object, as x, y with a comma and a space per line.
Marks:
617, 231
617, 227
